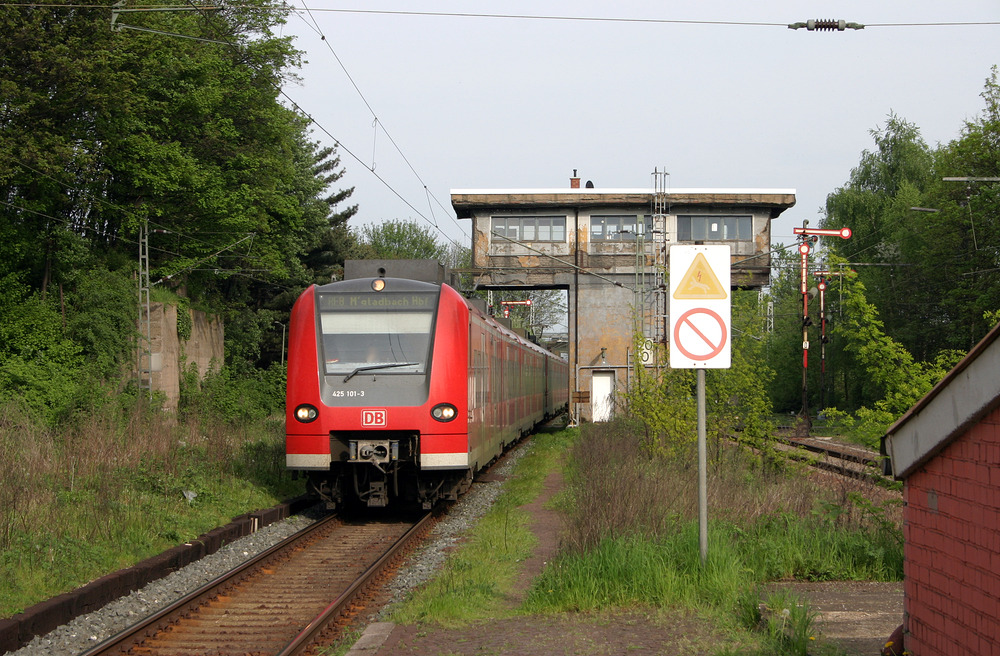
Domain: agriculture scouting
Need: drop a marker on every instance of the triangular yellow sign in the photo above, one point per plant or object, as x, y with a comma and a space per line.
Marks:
700, 282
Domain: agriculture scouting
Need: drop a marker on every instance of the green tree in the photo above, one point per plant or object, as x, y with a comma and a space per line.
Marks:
927, 248
663, 399
547, 309
104, 131
737, 401
895, 379
400, 240
875, 205
39, 366
963, 239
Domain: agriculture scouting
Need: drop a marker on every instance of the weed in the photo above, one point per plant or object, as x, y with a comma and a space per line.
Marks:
106, 491
790, 623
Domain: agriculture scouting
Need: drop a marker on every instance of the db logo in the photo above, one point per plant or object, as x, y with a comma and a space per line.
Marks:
373, 417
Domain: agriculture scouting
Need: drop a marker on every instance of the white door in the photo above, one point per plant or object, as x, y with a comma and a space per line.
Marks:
602, 395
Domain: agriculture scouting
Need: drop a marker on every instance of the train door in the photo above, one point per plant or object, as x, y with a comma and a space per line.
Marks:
602, 395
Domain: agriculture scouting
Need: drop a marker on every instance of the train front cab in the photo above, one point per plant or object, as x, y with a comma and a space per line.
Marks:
382, 427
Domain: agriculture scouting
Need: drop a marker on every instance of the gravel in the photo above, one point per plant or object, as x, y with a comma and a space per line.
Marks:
87, 631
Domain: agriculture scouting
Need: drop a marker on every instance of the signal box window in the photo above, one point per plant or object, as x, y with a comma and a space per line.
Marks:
615, 227
714, 228
530, 228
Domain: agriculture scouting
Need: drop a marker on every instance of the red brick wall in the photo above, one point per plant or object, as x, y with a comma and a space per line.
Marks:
952, 531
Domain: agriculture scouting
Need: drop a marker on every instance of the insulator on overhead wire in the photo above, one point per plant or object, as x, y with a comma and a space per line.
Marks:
826, 24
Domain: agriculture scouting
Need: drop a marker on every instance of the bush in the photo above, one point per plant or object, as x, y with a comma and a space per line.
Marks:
231, 396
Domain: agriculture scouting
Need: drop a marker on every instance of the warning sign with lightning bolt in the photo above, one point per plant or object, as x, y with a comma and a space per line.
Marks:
700, 282
700, 306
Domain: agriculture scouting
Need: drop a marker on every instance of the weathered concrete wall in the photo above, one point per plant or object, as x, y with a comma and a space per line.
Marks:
608, 277
602, 334
205, 348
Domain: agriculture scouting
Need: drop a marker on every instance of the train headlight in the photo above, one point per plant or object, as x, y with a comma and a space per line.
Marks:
306, 413
444, 412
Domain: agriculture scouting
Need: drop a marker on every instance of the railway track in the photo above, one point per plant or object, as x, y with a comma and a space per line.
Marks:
279, 602
842, 459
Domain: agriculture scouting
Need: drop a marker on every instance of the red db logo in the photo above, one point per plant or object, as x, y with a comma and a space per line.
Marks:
373, 417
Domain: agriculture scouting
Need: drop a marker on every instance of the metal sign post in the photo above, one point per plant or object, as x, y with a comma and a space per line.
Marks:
700, 311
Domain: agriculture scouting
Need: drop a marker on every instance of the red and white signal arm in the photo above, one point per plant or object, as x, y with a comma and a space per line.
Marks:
700, 307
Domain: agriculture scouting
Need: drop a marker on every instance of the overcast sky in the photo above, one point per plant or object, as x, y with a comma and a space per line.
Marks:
725, 97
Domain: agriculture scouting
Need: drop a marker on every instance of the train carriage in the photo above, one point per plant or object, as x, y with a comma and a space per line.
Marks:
400, 390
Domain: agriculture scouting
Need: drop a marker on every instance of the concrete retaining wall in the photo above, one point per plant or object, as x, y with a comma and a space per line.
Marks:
205, 348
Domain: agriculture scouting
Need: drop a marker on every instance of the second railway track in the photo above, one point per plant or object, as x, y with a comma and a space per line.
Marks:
277, 603
842, 459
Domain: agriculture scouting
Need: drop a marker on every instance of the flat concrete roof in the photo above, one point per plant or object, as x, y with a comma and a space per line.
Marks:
581, 190
470, 199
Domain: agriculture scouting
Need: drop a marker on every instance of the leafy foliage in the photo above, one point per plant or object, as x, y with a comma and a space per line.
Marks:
400, 240
737, 398
923, 256
927, 248
104, 132
898, 380
663, 399
39, 365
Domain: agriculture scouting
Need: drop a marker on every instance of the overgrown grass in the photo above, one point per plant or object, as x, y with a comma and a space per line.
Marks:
633, 533
113, 487
665, 571
632, 541
477, 578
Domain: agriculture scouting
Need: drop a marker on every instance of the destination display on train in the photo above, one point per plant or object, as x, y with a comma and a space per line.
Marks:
384, 301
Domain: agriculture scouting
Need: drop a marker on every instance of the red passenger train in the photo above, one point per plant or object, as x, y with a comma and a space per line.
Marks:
400, 390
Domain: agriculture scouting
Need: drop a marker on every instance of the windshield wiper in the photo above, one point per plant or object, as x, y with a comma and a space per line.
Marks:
378, 366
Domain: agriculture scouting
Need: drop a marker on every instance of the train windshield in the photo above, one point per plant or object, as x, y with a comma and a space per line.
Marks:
385, 333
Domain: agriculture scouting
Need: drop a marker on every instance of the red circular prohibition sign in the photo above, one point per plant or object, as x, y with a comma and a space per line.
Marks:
713, 348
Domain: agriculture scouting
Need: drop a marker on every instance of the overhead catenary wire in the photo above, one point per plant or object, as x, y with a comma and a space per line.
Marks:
378, 124
432, 220
228, 42
340, 145
491, 15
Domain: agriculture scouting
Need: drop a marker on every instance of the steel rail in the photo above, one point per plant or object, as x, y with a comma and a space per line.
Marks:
849, 463
155, 622
151, 625
314, 629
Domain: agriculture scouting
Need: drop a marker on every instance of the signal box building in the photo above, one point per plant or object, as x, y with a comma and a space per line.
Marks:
946, 450
609, 249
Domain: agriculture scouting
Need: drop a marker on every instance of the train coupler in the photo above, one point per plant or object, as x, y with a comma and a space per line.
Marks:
378, 495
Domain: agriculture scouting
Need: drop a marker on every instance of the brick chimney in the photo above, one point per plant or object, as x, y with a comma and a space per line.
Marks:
574, 182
